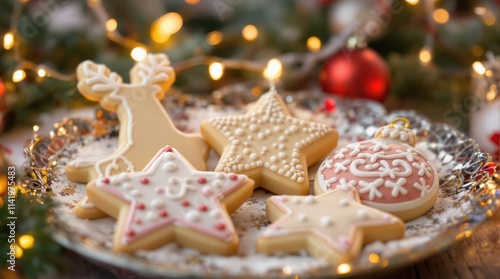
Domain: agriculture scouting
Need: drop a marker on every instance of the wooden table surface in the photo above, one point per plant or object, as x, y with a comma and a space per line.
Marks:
476, 257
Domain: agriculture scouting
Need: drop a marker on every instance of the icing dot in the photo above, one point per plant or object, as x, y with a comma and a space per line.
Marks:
261, 136
115, 181
239, 132
138, 221
169, 156
207, 191
105, 180
163, 214
130, 233
282, 138
127, 186
282, 147
253, 156
253, 128
157, 203
151, 216
159, 190
202, 180
214, 213
135, 193
144, 180
167, 149
273, 159
188, 180
343, 202
302, 218
295, 200
246, 151
282, 155
283, 198
294, 128
185, 203
233, 176
193, 216
310, 199
220, 226
202, 207
169, 167
326, 221
140, 206
124, 176
362, 214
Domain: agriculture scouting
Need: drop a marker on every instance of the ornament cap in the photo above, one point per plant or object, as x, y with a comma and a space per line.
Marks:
397, 132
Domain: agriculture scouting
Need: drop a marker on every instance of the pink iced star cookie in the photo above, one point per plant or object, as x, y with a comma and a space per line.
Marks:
170, 201
269, 145
332, 226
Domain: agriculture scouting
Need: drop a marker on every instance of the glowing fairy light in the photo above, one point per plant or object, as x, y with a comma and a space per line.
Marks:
250, 32
313, 44
18, 75
8, 40
138, 53
216, 70
479, 68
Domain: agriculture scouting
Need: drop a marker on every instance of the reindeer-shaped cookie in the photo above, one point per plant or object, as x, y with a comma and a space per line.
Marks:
145, 126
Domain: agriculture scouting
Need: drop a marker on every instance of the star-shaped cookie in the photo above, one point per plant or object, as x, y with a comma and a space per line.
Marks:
170, 201
332, 226
268, 145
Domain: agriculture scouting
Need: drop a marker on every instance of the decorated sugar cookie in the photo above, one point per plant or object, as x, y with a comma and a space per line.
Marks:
145, 126
332, 226
388, 172
170, 201
269, 146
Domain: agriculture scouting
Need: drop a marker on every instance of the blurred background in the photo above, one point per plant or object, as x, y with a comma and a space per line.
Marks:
407, 54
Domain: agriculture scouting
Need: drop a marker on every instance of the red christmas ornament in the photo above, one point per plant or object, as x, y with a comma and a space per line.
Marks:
358, 73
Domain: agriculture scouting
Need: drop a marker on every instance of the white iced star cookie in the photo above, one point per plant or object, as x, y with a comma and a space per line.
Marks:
268, 145
145, 126
170, 201
333, 226
388, 172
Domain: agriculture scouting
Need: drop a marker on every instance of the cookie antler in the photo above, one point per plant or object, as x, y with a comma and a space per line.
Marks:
96, 82
156, 70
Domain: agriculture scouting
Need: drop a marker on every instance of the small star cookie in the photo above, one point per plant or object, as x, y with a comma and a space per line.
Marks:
332, 226
170, 201
269, 145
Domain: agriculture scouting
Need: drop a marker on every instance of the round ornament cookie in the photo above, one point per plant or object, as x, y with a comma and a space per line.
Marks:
387, 171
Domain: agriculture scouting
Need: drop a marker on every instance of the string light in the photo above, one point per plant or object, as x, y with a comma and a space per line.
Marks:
111, 25
192, 2
216, 70
273, 69
374, 258
250, 32
41, 73
214, 38
477, 50
425, 56
19, 251
441, 16
313, 44
489, 18
479, 68
8, 40
412, 2
138, 53
26, 241
344, 268
18, 75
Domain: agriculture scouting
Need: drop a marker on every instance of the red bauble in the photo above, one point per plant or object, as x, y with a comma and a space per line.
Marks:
359, 73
